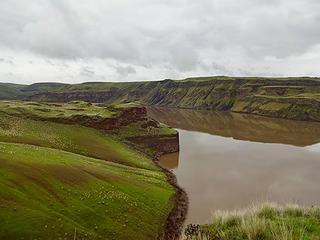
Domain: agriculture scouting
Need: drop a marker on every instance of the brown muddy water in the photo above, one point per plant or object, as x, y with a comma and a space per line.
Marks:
229, 161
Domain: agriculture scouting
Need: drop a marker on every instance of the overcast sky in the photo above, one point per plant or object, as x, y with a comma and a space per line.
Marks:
124, 40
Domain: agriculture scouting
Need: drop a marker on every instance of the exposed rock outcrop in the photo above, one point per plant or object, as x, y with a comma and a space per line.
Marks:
162, 144
126, 116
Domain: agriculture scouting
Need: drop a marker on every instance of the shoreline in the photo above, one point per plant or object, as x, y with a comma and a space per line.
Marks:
177, 216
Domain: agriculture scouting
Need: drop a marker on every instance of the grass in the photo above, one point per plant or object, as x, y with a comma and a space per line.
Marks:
138, 129
47, 193
60, 181
265, 222
56, 110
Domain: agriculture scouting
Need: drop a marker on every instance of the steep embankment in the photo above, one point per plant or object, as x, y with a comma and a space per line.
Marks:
292, 98
71, 181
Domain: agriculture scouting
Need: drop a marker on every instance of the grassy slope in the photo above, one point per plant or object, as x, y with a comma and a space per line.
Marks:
46, 192
268, 222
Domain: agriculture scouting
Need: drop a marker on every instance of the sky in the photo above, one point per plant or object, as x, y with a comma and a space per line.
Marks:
76, 41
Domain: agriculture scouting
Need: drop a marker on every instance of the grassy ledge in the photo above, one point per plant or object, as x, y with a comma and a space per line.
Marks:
266, 222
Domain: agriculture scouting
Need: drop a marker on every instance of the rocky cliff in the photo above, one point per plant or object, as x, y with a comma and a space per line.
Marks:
125, 116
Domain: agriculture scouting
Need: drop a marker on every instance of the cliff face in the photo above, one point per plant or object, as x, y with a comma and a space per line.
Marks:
292, 98
127, 116
162, 144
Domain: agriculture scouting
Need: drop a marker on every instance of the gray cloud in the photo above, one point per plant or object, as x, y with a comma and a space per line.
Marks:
7, 60
177, 37
87, 71
124, 71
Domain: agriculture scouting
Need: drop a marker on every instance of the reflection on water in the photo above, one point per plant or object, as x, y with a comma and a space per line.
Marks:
241, 126
223, 166
170, 161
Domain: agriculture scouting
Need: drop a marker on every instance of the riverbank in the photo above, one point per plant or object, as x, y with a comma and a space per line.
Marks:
178, 214
267, 221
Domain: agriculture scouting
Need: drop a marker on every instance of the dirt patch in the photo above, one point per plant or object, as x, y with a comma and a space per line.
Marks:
67, 174
38, 180
101, 175
32, 174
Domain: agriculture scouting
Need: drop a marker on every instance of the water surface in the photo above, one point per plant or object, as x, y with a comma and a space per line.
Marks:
228, 161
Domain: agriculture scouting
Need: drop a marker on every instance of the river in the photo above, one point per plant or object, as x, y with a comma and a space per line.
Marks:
229, 161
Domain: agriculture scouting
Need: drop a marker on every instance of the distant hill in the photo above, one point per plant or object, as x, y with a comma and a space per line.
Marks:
43, 87
10, 90
293, 98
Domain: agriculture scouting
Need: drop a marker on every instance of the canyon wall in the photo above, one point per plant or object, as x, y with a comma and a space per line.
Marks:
292, 98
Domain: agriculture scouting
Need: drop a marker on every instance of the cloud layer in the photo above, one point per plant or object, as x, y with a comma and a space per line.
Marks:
121, 40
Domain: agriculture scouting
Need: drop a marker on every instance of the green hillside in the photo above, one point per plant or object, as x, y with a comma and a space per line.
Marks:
73, 182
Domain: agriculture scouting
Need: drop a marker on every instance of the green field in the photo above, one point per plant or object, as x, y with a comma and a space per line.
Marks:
63, 181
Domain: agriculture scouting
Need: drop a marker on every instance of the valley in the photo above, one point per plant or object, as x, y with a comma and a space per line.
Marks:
142, 160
